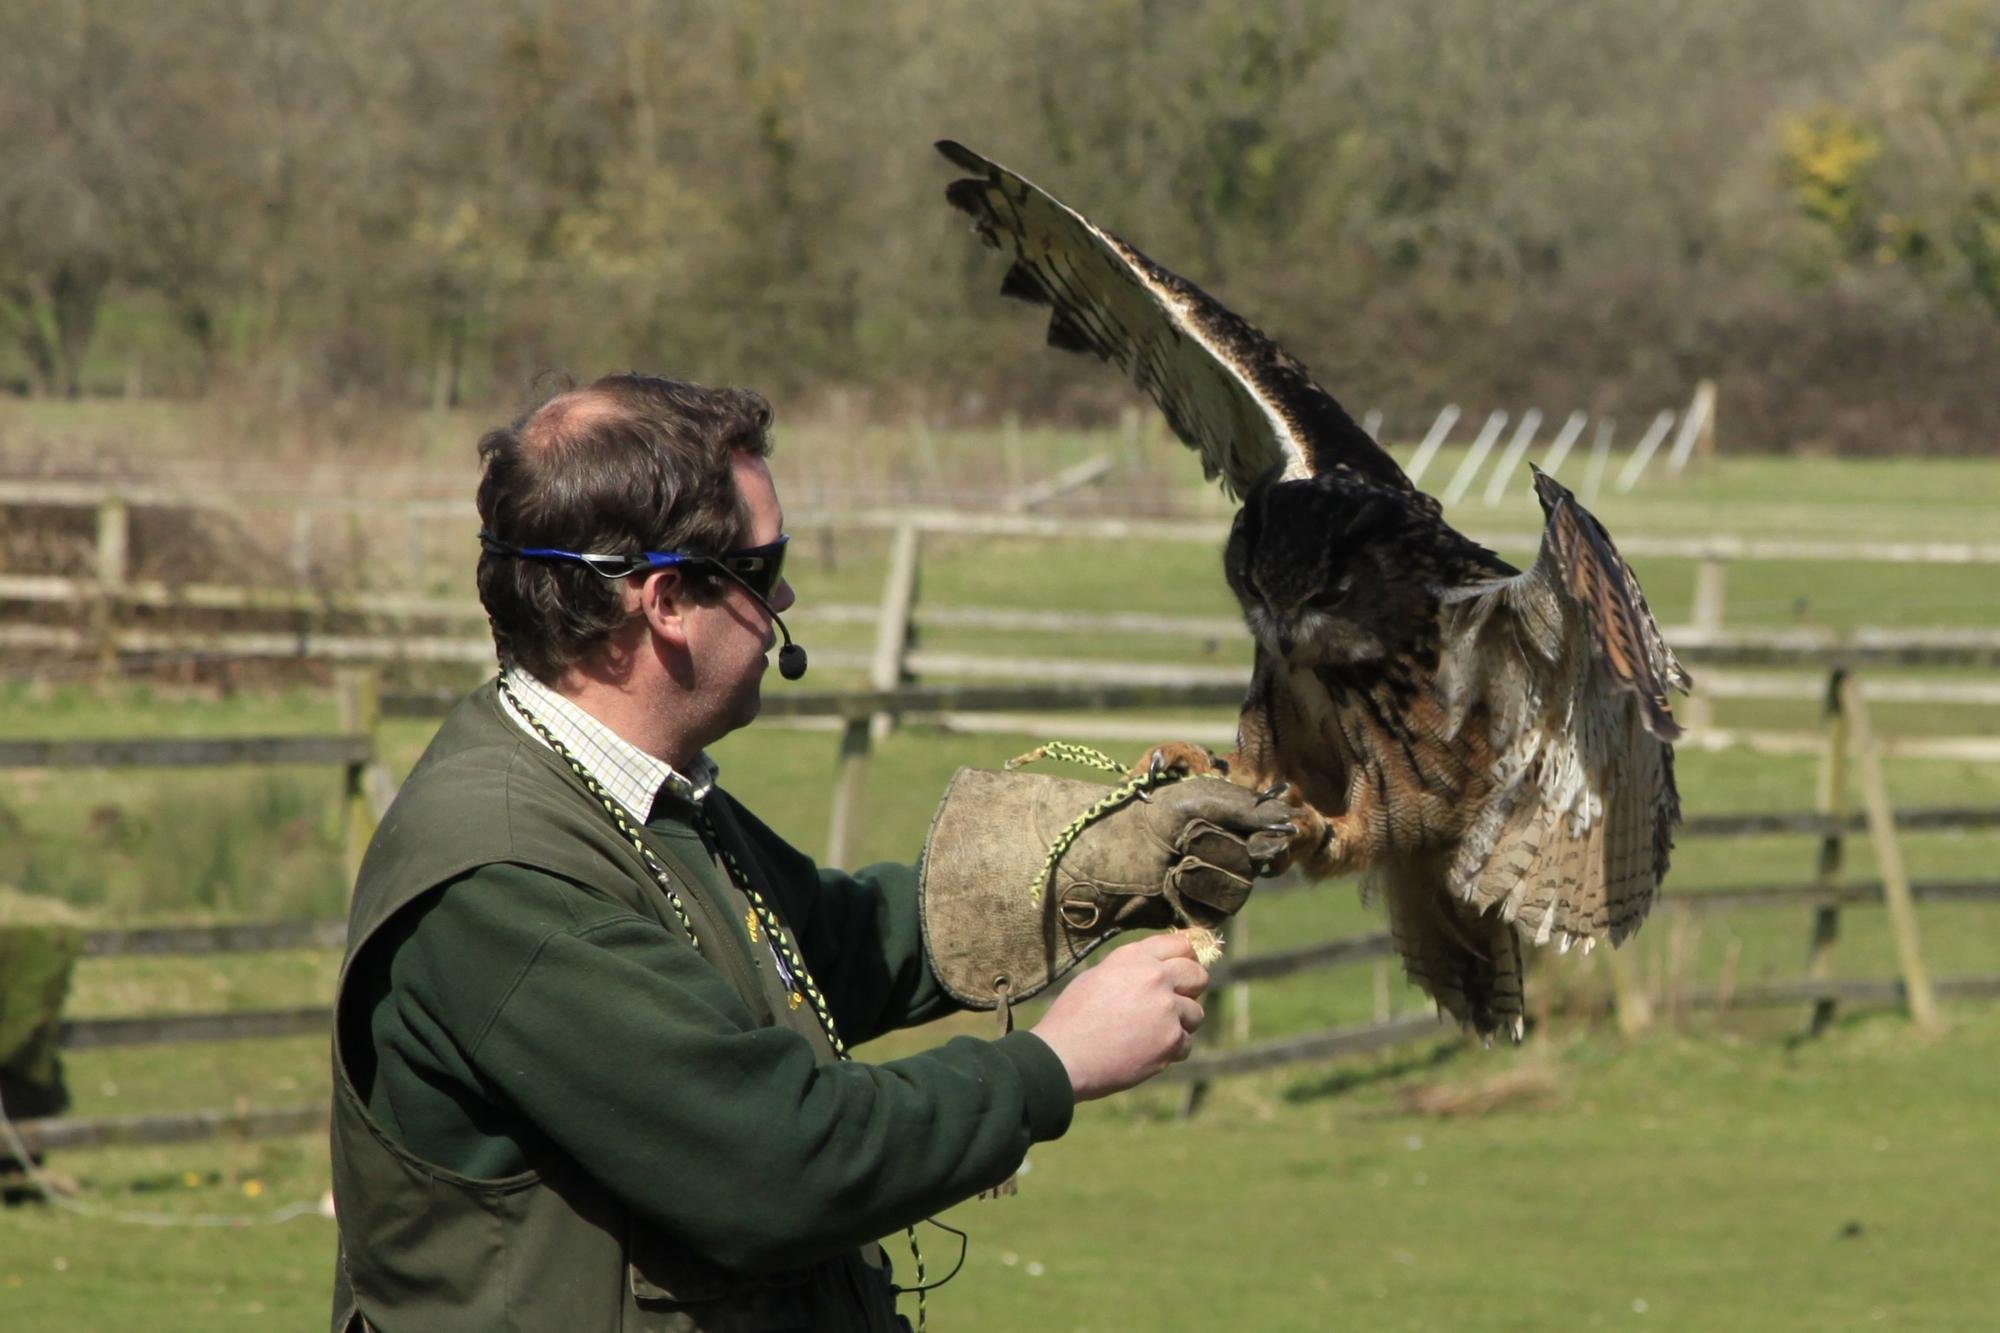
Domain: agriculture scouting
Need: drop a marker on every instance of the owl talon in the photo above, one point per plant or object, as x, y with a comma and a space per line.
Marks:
1177, 759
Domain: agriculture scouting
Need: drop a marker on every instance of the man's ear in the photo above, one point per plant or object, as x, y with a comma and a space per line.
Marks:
663, 601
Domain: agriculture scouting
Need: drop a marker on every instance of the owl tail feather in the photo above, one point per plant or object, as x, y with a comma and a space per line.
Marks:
1467, 960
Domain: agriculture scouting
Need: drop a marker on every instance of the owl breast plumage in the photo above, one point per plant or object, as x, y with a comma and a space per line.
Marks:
1489, 747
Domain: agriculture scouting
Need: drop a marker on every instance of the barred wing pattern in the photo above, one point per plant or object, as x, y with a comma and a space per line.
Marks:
1572, 673
1234, 396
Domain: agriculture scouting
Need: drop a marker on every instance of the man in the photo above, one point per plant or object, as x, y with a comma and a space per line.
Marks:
589, 1062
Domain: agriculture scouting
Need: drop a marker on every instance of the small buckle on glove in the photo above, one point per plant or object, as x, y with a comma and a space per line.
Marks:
1081, 914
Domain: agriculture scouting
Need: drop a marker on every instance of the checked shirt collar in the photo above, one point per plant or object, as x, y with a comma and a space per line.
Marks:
633, 777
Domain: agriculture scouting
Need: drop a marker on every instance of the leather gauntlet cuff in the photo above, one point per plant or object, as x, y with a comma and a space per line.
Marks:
988, 933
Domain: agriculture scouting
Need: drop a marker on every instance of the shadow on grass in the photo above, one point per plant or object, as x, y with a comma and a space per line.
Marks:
1847, 1020
1348, 1078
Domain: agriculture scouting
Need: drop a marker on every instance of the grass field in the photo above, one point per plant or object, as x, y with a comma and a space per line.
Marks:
1720, 1174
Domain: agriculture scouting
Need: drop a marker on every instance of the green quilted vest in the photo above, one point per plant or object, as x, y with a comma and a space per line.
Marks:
423, 1248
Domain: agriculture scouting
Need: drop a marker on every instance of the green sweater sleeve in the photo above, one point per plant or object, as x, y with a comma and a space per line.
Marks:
860, 934
553, 1017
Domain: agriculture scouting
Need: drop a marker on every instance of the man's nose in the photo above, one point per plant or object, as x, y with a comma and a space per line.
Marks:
784, 597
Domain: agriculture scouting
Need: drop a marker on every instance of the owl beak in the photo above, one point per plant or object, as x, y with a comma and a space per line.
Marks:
1285, 640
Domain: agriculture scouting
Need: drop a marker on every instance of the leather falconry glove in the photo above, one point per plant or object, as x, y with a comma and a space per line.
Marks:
1185, 854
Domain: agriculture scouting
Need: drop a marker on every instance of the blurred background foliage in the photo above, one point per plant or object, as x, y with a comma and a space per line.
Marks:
1546, 202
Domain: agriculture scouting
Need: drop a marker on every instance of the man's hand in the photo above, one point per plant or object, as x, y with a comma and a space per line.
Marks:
1126, 1019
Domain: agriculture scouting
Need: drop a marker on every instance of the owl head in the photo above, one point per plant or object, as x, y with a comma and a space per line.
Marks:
1324, 569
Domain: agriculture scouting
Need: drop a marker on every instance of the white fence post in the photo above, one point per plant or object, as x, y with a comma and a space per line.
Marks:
1565, 440
1699, 423
1600, 458
1524, 435
1433, 441
1461, 481
1642, 454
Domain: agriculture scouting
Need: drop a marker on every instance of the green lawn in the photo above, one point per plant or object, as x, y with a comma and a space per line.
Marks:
1717, 1173
1718, 1179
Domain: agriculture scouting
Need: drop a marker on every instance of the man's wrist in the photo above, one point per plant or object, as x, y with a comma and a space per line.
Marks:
1049, 1101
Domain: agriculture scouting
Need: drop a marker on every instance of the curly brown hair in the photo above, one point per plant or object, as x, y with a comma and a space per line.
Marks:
629, 463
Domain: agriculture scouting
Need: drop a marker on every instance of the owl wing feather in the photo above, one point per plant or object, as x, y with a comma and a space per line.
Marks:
1568, 669
1238, 399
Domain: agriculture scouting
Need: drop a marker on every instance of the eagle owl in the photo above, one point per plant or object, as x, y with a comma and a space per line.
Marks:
1491, 746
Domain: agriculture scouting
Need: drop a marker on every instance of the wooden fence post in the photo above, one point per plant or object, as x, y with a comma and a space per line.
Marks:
1697, 433
1128, 442
850, 785
360, 712
1896, 897
927, 459
1711, 581
1634, 1007
114, 546
302, 537
413, 540
1704, 444
1831, 802
1237, 995
858, 738
892, 628
1010, 453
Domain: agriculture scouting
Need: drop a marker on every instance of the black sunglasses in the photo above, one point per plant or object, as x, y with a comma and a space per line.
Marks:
758, 568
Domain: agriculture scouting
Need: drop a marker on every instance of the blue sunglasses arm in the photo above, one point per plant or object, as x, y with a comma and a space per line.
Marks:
649, 559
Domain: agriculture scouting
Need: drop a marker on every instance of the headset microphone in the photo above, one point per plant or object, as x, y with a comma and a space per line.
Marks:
791, 657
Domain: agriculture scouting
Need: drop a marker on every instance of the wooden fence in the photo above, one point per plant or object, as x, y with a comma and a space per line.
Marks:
1849, 749
409, 625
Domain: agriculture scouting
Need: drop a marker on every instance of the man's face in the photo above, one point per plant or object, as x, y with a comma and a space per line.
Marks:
729, 639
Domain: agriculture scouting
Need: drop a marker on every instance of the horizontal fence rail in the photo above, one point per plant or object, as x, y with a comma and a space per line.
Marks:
1869, 647
1849, 990
1357, 1040
188, 752
234, 937
113, 1131
78, 1034
1194, 528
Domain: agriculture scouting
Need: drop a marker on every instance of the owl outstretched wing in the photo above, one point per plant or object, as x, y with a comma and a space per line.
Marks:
1572, 673
1231, 394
